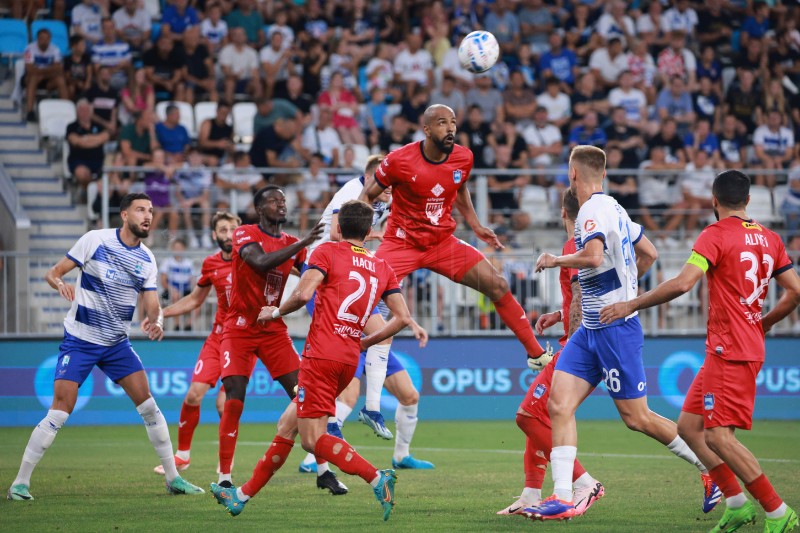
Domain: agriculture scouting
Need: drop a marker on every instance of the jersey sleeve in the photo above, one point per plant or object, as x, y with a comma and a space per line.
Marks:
592, 223
300, 258
205, 273
82, 250
782, 260
391, 287
636, 232
387, 173
150, 282
242, 238
708, 245
321, 259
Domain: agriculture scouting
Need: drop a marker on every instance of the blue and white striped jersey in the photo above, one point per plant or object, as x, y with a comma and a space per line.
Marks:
111, 278
616, 279
111, 54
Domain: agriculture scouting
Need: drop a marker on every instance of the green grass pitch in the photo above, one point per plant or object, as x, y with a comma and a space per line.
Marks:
101, 479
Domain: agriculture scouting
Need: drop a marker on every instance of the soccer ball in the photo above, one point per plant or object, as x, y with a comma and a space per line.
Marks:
478, 52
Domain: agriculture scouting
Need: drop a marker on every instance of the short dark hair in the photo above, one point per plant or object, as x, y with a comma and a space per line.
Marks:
43, 30
569, 201
75, 39
129, 198
171, 108
731, 189
263, 192
355, 219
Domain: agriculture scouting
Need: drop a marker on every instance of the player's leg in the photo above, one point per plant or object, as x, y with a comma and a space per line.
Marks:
399, 384
344, 406
237, 356
375, 364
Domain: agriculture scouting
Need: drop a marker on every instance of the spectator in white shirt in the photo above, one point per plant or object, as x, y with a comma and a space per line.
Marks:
557, 103
280, 26
681, 17
774, 145
323, 139
631, 99
545, 143
314, 190
275, 60
43, 67
608, 63
414, 65
239, 65
86, 20
238, 187
133, 25
615, 23
213, 29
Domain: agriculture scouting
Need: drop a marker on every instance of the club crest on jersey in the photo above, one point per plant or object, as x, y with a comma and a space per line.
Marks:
539, 391
708, 401
301, 394
434, 211
457, 175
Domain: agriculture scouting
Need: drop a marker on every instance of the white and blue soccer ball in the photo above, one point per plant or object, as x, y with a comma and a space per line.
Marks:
478, 51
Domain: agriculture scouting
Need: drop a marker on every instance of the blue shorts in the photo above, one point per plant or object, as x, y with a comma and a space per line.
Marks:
393, 366
612, 355
76, 359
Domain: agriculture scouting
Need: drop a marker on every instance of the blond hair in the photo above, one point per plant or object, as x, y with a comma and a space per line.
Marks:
591, 158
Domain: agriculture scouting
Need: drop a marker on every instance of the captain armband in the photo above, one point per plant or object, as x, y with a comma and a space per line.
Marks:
698, 260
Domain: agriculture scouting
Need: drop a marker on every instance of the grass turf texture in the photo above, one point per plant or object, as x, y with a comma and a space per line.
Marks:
101, 479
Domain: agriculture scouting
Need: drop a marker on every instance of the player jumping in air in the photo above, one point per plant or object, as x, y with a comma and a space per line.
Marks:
612, 251
216, 272
740, 257
115, 268
428, 178
263, 258
348, 280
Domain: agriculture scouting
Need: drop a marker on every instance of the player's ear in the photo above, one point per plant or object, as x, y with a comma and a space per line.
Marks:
747, 202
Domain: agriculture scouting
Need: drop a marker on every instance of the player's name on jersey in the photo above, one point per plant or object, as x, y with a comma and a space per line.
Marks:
755, 239
363, 262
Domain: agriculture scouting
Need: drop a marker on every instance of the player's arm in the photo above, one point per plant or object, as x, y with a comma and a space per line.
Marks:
401, 318
257, 258
591, 256
188, 303
646, 255
55, 275
153, 314
687, 278
575, 313
467, 210
372, 189
790, 282
302, 294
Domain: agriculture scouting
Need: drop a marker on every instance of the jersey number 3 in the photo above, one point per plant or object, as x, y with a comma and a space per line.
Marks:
343, 313
759, 285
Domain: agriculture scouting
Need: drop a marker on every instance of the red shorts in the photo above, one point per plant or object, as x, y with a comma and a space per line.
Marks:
208, 366
319, 384
535, 401
724, 392
452, 257
240, 348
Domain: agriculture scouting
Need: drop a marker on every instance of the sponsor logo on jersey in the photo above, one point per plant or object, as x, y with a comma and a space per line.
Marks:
138, 268
241, 321
751, 225
242, 238
65, 360
359, 250
434, 211
346, 331
400, 233
708, 401
301, 394
437, 190
589, 225
457, 175
539, 391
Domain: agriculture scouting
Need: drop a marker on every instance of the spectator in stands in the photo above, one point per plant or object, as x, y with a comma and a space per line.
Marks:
621, 136
215, 138
177, 279
322, 138
505, 191
774, 147
199, 77
487, 98
706, 104
448, 94
732, 145
296, 96
782, 58
213, 29
158, 185
675, 102
275, 63
413, 108
503, 23
557, 103
527, 65
608, 62
587, 97
138, 140
239, 65
589, 132
508, 135
476, 134
790, 208
347, 162
77, 68
677, 60
559, 63
113, 53
657, 189
193, 190
414, 65
681, 17
87, 18
315, 58
239, 187
671, 142
756, 25
715, 21
313, 192
754, 57
535, 24
86, 139
343, 62
137, 96
379, 70
519, 102
280, 24
133, 25
104, 100
164, 66
278, 146
631, 99
43, 68
651, 26
614, 23
642, 69
743, 101
345, 110
269, 110
695, 186
709, 67
702, 138
376, 110
544, 143
579, 28
398, 136
621, 187
246, 16
775, 98
172, 135
177, 17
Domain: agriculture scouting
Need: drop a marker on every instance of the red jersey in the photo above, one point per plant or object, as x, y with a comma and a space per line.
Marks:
565, 277
742, 256
354, 281
423, 192
216, 271
253, 289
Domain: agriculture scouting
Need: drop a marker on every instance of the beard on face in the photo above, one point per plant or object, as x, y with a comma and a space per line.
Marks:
442, 147
138, 231
226, 245
716, 214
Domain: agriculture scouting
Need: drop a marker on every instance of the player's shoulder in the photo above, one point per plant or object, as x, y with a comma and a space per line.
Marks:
212, 261
288, 238
460, 153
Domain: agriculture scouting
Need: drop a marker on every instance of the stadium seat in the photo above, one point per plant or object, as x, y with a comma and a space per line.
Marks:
760, 206
13, 37
58, 30
187, 115
155, 31
202, 111
243, 114
536, 204
153, 8
360, 155
778, 196
54, 117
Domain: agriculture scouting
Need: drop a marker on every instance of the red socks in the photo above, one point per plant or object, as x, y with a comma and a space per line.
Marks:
272, 461
762, 490
537, 451
338, 452
517, 321
190, 416
228, 433
725, 479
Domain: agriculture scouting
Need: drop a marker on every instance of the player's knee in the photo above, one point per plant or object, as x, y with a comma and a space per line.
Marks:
558, 408
499, 288
194, 397
636, 421
409, 397
309, 442
715, 440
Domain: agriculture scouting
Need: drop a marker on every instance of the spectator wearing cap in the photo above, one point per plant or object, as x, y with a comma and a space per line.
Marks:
246, 16
164, 67
414, 65
78, 70
535, 24
86, 139
215, 138
133, 25
557, 103
239, 65
588, 132
519, 102
448, 94
774, 146
113, 53
43, 67
177, 17
198, 73
545, 143
608, 62
172, 136
675, 102
559, 63
677, 60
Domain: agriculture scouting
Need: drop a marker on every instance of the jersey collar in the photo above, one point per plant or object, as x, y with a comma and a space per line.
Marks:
265, 232
422, 151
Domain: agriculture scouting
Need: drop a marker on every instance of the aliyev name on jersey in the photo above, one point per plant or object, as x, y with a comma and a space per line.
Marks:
111, 278
616, 279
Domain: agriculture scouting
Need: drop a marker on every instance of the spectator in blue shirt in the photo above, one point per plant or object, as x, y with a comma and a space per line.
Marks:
173, 137
756, 26
178, 16
703, 139
675, 102
588, 132
504, 25
559, 63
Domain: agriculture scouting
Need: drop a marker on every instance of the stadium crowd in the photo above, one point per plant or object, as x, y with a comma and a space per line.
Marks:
676, 88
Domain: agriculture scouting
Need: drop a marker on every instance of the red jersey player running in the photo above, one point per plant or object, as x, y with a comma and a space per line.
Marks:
428, 178
216, 272
740, 257
347, 279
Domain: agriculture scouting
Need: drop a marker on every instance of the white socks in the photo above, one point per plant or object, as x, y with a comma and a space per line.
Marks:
584, 481
41, 439
562, 459
682, 450
734, 502
375, 371
777, 513
158, 433
405, 418
241, 495
343, 411
183, 454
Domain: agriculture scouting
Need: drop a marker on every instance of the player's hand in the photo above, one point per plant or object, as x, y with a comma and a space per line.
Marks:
420, 334
266, 313
154, 332
613, 312
66, 291
537, 364
315, 233
545, 261
547, 320
145, 326
488, 236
